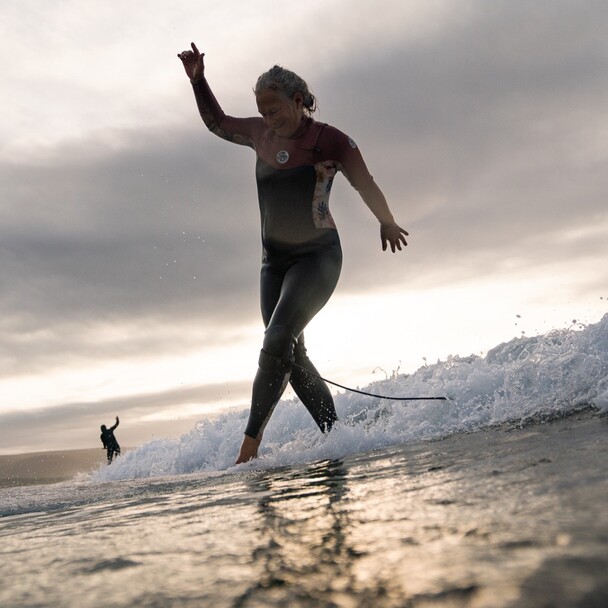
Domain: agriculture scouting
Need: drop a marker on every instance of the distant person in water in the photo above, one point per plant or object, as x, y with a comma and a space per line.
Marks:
297, 160
109, 441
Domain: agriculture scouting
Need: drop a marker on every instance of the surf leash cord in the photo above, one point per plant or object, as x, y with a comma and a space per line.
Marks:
354, 390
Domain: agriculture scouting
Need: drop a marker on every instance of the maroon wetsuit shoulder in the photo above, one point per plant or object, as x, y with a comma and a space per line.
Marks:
294, 174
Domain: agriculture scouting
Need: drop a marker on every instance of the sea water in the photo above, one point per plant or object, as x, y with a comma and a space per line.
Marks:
492, 497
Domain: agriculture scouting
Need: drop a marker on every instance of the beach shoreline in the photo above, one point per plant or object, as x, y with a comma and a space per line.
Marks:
56, 466
39, 468
507, 517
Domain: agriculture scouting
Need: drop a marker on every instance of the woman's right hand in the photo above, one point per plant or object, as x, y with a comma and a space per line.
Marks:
193, 63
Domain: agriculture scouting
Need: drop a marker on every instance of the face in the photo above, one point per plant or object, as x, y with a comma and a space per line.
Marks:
281, 114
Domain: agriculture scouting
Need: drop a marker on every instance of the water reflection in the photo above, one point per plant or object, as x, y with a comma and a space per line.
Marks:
303, 552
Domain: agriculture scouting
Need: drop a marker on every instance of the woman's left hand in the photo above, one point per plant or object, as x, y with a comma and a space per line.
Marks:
393, 235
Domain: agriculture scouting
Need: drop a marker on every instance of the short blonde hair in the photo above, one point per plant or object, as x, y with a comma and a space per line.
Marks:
288, 83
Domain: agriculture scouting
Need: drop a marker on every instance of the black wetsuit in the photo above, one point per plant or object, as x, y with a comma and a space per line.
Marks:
302, 257
109, 442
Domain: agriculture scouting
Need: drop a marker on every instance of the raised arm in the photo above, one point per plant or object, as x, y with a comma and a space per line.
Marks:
235, 130
117, 423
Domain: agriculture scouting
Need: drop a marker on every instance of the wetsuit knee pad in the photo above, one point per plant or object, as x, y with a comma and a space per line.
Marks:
277, 353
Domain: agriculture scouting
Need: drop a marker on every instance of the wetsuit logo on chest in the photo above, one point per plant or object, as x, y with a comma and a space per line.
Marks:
282, 156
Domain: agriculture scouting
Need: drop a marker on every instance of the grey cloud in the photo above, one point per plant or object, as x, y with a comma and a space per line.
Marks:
77, 423
131, 230
486, 138
489, 120
483, 142
489, 137
164, 231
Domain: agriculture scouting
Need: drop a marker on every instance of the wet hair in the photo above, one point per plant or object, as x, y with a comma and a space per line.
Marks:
288, 83
103, 427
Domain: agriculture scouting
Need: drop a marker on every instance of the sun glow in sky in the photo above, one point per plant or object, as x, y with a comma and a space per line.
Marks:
129, 237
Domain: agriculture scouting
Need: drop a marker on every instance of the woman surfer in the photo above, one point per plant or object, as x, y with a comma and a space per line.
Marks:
297, 159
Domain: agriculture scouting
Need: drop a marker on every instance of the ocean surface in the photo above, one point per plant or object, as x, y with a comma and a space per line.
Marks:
495, 497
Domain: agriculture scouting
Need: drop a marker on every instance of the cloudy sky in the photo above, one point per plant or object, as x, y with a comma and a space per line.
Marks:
129, 237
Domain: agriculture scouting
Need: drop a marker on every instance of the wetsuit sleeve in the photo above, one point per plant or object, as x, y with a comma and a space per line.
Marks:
352, 165
234, 130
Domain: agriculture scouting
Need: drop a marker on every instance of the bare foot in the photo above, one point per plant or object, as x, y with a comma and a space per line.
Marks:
249, 449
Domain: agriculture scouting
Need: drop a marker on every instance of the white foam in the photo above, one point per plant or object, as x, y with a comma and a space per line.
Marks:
526, 378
